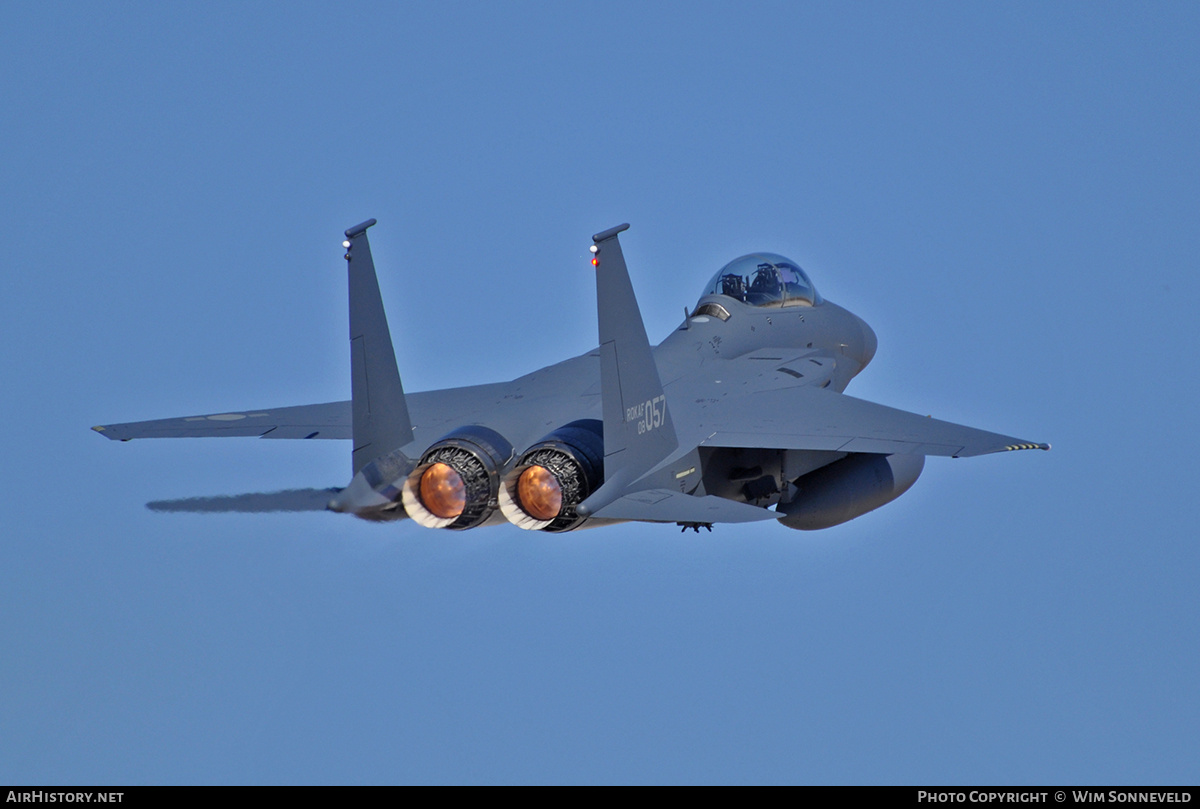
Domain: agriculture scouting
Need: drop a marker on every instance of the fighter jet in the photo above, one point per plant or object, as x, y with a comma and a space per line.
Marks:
738, 415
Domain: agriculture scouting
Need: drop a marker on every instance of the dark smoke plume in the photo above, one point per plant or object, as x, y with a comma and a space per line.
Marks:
255, 502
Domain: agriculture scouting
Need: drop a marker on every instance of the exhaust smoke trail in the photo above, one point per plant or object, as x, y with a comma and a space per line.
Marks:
253, 502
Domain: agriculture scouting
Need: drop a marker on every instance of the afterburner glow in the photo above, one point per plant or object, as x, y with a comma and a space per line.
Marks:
443, 491
540, 493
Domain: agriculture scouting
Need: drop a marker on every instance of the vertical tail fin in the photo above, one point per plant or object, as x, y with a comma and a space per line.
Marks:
381, 422
638, 431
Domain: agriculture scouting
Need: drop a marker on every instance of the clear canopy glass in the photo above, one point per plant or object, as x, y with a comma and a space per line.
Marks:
764, 279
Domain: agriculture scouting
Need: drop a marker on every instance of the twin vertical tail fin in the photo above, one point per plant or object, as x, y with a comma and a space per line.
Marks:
638, 431
381, 421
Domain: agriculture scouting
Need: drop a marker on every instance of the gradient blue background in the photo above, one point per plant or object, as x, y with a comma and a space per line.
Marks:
1008, 193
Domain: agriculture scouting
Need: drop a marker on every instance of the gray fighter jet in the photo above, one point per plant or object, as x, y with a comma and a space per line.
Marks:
738, 415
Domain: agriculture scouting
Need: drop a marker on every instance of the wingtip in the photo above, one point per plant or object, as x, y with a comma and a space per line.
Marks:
1014, 447
108, 433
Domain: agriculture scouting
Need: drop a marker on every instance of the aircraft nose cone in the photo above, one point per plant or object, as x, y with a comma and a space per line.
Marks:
870, 343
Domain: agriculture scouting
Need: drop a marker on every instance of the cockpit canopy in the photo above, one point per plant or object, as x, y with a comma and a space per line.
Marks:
764, 279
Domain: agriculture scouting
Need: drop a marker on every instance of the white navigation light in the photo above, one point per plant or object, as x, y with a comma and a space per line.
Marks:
346, 243
595, 248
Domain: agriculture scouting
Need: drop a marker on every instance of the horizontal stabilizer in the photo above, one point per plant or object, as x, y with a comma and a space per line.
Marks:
664, 505
256, 502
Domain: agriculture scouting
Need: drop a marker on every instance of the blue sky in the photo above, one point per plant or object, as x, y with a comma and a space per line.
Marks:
1008, 193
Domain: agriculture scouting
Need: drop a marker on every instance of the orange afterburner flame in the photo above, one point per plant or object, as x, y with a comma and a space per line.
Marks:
443, 491
539, 493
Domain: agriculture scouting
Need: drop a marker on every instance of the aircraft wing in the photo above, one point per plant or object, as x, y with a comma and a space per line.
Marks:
330, 420
818, 419
787, 418
522, 410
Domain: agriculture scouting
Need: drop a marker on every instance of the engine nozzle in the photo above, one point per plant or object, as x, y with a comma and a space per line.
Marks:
553, 477
457, 479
